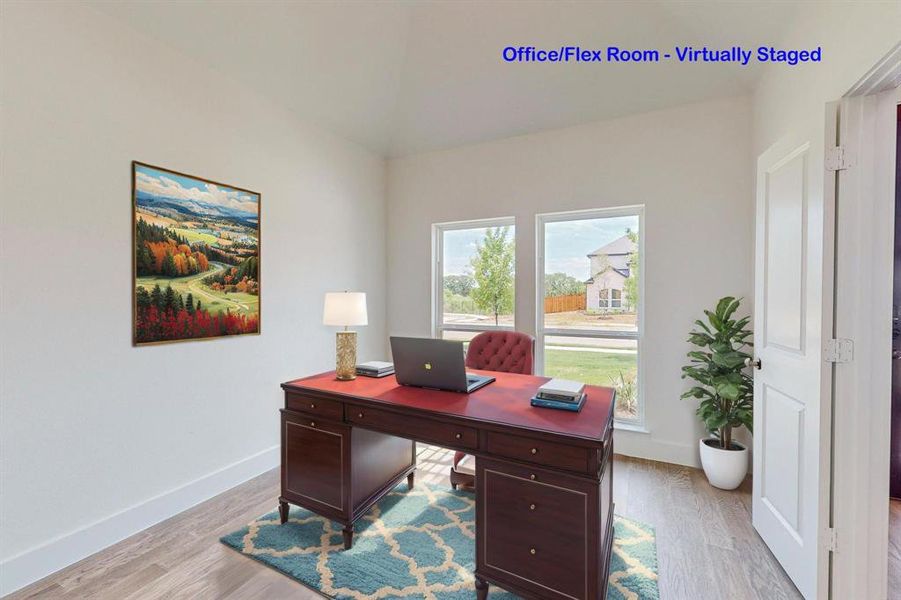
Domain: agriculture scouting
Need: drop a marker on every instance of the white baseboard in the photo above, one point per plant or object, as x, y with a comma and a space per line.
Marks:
39, 562
640, 445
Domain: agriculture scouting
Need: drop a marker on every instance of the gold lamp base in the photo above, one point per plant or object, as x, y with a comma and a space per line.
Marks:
346, 356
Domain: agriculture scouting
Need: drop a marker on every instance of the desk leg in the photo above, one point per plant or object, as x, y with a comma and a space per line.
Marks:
283, 511
411, 480
348, 533
481, 588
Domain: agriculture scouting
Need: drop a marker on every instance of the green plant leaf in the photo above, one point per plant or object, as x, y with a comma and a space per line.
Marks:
723, 307
742, 323
699, 339
703, 326
714, 320
729, 360
722, 386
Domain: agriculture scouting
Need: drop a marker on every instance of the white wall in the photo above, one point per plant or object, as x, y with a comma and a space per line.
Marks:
854, 36
91, 426
690, 167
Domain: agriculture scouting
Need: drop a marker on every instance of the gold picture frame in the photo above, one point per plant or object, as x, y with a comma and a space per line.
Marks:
196, 268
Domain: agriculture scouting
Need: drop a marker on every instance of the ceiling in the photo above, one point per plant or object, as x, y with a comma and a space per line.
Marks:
405, 77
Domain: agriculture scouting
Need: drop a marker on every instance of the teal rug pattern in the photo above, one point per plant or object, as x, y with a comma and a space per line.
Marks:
416, 544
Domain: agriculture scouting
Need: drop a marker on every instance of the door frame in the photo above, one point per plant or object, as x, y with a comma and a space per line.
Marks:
863, 304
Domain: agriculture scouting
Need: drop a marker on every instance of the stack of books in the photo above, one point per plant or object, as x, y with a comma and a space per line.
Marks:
375, 368
561, 394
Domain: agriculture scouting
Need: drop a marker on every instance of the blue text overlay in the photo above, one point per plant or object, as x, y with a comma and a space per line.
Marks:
683, 54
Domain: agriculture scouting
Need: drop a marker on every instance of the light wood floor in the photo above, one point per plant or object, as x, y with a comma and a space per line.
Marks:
705, 543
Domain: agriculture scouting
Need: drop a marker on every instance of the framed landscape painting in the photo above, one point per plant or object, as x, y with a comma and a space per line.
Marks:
196, 257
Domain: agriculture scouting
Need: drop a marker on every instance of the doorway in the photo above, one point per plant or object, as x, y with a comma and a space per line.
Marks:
865, 258
894, 545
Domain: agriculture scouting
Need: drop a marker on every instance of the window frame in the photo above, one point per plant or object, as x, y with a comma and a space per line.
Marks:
616, 296
438, 231
541, 220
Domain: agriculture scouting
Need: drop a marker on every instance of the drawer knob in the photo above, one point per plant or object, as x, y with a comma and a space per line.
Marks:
531, 507
359, 415
534, 450
532, 476
532, 551
312, 423
458, 436
312, 406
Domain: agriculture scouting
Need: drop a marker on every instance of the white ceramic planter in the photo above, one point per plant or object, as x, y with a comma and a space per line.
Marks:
725, 469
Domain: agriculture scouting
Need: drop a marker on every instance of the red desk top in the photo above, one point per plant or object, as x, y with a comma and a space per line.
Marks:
505, 401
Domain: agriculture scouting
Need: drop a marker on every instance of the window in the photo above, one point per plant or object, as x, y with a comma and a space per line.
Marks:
593, 259
474, 277
603, 296
616, 298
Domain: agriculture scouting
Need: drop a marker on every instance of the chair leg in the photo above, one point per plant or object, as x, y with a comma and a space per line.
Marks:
464, 480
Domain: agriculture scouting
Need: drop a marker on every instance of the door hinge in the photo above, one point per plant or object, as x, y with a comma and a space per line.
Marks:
831, 540
837, 159
839, 351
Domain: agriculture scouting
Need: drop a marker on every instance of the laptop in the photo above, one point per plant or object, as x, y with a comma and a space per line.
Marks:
436, 364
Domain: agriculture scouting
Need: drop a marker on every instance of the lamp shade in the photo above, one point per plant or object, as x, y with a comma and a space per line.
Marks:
344, 309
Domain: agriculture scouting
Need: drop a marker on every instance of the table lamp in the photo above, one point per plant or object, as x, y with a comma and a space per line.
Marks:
345, 309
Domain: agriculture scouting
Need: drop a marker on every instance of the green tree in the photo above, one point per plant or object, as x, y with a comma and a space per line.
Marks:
144, 260
630, 286
169, 298
561, 284
169, 269
189, 303
156, 296
142, 298
492, 268
460, 285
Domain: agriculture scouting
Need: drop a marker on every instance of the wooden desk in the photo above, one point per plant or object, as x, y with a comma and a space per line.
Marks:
544, 501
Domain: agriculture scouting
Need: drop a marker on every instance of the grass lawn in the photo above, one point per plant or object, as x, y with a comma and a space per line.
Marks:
196, 236
595, 368
213, 301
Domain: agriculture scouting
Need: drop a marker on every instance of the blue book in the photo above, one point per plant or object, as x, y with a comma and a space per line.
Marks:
570, 406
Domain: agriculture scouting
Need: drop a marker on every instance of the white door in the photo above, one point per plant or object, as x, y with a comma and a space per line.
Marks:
792, 393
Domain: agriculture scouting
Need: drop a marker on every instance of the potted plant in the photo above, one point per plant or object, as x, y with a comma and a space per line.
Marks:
724, 387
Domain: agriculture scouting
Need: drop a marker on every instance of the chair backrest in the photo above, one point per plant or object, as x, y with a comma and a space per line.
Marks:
506, 351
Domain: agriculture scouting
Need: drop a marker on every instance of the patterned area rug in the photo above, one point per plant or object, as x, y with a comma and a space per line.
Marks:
418, 544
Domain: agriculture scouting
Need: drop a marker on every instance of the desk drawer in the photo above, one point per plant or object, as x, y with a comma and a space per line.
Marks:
414, 427
313, 465
535, 532
573, 458
324, 409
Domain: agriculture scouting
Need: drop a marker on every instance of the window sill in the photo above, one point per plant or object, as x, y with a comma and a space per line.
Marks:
626, 426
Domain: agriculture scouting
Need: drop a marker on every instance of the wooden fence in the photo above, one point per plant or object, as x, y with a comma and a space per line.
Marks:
555, 304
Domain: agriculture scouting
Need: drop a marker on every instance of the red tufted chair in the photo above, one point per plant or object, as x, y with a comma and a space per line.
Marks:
505, 351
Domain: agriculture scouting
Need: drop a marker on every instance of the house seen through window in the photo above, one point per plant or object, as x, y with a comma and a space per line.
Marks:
589, 321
